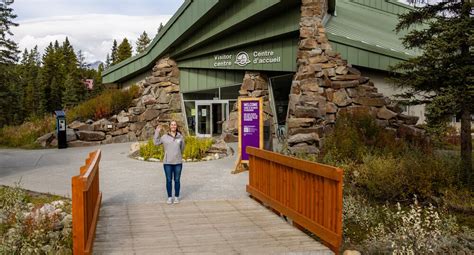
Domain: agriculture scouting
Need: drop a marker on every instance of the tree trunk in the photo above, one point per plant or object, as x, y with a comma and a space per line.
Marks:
466, 145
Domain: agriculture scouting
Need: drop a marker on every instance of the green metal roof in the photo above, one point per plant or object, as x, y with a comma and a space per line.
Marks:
363, 32
187, 15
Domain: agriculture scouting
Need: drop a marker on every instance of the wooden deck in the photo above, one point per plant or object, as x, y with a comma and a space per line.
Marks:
199, 227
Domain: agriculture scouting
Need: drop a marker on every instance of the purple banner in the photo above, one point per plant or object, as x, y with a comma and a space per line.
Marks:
250, 125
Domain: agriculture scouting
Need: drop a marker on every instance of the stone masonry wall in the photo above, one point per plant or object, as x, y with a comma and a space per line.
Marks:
326, 86
159, 102
255, 84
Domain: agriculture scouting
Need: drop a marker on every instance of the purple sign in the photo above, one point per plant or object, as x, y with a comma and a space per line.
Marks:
250, 125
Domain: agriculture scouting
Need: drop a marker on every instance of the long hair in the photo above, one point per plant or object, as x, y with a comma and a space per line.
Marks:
177, 126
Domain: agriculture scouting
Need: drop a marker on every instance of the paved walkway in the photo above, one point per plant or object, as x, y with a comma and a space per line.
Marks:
216, 216
122, 179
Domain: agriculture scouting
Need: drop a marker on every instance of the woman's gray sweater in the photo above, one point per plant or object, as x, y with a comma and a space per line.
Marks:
174, 147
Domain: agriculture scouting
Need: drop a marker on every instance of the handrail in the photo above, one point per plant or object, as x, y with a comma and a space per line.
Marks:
307, 192
86, 200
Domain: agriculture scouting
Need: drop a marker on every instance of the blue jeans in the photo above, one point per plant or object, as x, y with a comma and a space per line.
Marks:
173, 172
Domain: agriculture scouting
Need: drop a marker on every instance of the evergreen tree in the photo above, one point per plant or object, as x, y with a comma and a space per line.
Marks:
29, 71
442, 76
113, 55
81, 62
108, 61
142, 42
8, 57
124, 51
8, 47
71, 94
159, 28
68, 59
48, 72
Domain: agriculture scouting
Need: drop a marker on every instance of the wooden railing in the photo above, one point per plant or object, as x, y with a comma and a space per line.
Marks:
308, 193
86, 199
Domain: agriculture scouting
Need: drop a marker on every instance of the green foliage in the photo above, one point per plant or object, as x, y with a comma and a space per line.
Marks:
39, 85
388, 177
143, 42
72, 92
105, 105
124, 51
113, 55
356, 135
441, 76
195, 149
25, 135
9, 49
150, 150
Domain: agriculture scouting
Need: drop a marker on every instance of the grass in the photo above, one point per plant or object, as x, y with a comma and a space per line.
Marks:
24, 136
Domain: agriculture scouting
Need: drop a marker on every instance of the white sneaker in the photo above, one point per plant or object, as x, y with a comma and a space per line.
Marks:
176, 200
169, 201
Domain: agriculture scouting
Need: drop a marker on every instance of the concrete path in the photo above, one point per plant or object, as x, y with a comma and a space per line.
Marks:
123, 180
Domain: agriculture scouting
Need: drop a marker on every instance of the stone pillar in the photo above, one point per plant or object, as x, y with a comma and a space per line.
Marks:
160, 101
255, 84
326, 86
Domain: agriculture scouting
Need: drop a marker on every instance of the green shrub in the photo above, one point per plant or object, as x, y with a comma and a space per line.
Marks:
150, 150
108, 103
195, 148
388, 177
26, 134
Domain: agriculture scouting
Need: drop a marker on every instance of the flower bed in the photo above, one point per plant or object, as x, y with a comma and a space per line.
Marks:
196, 149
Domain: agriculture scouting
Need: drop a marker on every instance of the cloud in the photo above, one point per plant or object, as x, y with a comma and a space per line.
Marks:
93, 34
27, 9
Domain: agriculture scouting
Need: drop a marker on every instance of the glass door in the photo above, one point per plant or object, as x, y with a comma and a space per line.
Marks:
210, 115
219, 115
203, 119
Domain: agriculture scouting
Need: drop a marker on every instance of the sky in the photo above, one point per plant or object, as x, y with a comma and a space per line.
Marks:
90, 25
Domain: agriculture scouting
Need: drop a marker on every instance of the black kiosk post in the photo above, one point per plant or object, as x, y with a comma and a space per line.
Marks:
61, 129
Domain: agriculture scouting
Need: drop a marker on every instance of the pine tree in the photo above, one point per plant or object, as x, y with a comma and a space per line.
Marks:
48, 72
81, 62
142, 42
8, 57
8, 47
124, 51
442, 76
113, 55
68, 58
159, 28
108, 61
29, 70
71, 94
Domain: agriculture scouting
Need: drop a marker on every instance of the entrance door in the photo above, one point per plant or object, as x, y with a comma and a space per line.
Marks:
203, 120
210, 116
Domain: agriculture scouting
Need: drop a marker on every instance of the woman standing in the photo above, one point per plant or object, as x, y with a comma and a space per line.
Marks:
173, 143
